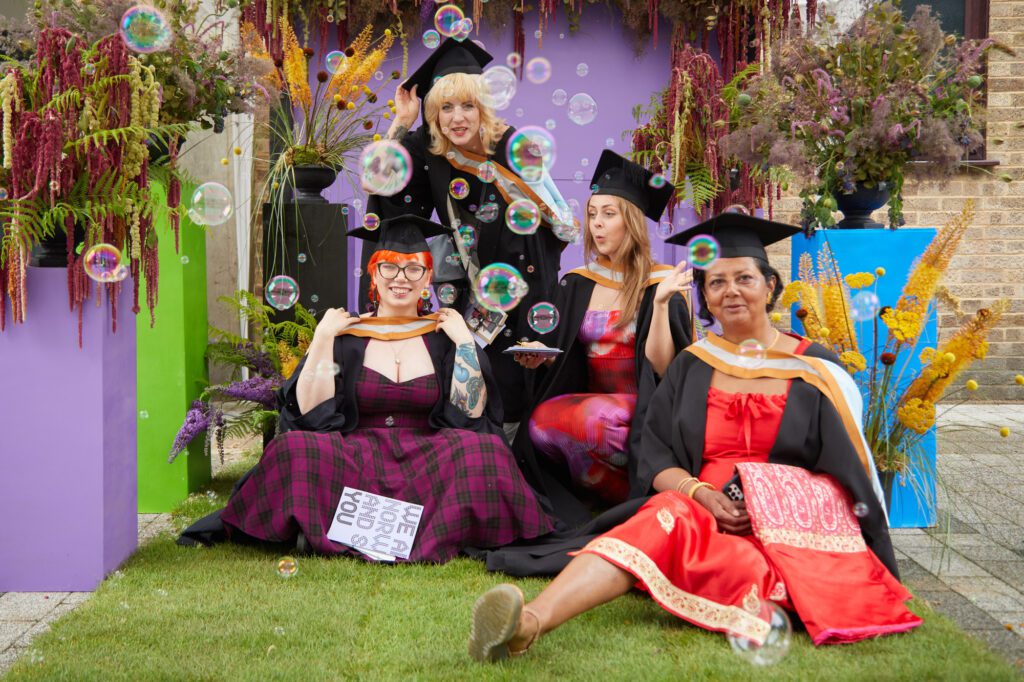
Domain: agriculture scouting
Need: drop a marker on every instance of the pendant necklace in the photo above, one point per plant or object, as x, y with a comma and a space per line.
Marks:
396, 349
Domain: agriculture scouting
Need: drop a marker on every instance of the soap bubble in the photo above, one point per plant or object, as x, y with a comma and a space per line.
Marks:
776, 643
314, 298
278, 630
584, 162
752, 354
550, 124
488, 213
609, 142
520, 111
464, 28
102, 263
431, 38
145, 29
3, 193
282, 292
543, 317
582, 109
143, 414
703, 251
371, 221
287, 567
657, 181
531, 152
301, 258
497, 87
664, 229
467, 235
386, 167
212, 204
184, 260
522, 216
487, 172
500, 287
559, 97
538, 70
582, 69
89, 69
864, 306
538, 34
860, 510
513, 60
567, 232
459, 188
335, 61
448, 20
446, 294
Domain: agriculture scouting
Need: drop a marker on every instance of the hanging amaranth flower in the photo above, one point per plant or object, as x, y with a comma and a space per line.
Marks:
197, 420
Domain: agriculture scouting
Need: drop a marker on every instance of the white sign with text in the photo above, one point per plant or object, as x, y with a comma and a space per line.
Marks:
381, 527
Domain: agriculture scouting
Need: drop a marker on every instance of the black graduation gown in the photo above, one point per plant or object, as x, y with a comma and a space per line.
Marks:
810, 436
568, 375
536, 256
341, 413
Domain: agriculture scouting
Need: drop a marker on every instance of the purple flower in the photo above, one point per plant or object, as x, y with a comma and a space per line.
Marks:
254, 390
197, 420
257, 360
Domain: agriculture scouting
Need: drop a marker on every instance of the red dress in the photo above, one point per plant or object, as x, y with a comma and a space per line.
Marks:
806, 553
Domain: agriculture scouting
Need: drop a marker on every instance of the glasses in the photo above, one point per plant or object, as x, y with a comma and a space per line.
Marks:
413, 271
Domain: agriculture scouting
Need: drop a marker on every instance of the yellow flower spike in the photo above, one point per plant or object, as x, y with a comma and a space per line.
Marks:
949, 357
336, 98
859, 280
1004, 432
376, 137
1019, 379
350, 106
237, 151
879, 272
776, 317
224, 161
972, 385
927, 354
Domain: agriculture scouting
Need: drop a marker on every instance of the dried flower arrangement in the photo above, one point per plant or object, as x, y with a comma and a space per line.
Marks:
854, 109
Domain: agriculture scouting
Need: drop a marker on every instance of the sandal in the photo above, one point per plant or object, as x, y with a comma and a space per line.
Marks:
495, 619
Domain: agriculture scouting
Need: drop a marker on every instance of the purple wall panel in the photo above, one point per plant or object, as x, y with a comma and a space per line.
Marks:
617, 78
68, 454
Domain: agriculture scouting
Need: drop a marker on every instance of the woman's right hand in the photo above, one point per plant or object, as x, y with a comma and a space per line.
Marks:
334, 322
407, 106
731, 515
532, 360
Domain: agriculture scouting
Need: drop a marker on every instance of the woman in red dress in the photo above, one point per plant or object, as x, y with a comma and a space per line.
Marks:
811, 533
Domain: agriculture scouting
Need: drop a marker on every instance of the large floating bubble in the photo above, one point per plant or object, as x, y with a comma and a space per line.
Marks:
864, 306
282, 292
582, 109
582, 69
498, 87
538, 70
531, 152
522, 216
703, 251
448, 20
386, 167
752, 354
464, 29
513, 60
559, 97
212, 204
487, 172
371, 221
467, 235
542, 317
431, 38
446, 294
335, 61
145, 29
776, 643
488, 212
287, 567
500, 287
102, 263
459, 188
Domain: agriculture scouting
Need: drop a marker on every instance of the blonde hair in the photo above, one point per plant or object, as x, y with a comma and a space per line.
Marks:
460, 87
634, 256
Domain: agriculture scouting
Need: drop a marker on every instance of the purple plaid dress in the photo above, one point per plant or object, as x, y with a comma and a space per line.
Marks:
469, 484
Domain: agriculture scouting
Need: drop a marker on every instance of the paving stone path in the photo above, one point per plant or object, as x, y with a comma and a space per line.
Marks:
970, 567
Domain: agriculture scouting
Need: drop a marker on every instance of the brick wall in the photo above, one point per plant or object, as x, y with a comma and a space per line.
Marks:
990, 262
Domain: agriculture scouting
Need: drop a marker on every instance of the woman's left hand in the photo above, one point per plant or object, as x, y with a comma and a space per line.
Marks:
451, 323
672, 284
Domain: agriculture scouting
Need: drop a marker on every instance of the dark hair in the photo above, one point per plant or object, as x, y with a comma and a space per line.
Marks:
767, 271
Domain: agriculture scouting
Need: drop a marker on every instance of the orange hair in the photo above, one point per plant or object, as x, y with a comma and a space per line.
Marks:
383, 255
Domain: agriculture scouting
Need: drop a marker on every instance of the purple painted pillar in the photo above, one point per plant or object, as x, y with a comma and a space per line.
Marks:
615, 76
67, 444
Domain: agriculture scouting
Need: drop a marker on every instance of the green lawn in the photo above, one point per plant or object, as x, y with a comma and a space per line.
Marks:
187, 614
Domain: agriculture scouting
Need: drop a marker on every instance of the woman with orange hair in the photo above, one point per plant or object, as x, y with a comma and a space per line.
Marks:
398, 404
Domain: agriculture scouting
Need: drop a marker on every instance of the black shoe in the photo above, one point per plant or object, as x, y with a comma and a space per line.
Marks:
302, 545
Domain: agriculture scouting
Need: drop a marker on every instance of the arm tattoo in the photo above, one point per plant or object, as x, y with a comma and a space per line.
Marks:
399, 132
467, 353
475, 388
468, 389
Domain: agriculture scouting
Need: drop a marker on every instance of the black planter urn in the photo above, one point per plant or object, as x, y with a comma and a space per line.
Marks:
858, 206
310, 181
52, 251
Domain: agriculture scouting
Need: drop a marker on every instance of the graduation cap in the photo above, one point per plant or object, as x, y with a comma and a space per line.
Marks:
451, 57
738, 234
620, 177
402, 234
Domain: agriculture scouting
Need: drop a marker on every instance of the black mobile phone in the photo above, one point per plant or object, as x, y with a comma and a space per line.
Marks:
733, 488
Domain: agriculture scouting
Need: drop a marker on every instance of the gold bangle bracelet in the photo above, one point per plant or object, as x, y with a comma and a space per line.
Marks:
679, 486
697, 486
